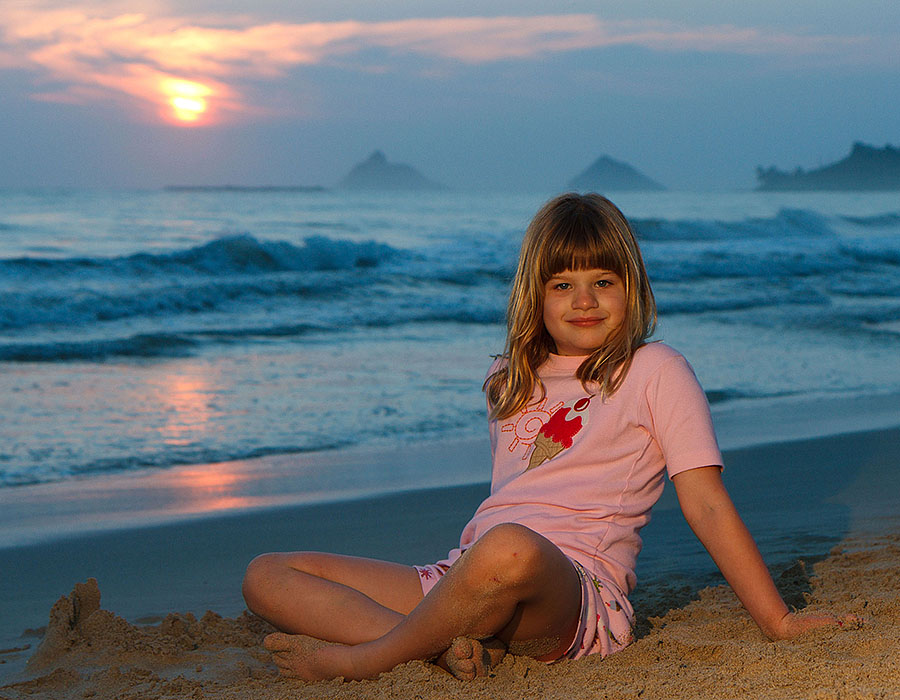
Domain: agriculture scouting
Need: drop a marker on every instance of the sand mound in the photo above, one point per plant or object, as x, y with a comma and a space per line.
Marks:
707, 649
96, 652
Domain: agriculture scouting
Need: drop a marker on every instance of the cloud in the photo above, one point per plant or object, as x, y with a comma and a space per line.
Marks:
96, 52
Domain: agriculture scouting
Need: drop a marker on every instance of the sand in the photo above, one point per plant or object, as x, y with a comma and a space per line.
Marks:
709, 648
831, 500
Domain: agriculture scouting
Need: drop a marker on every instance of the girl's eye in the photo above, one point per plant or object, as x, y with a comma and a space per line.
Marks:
563, 286
603, 283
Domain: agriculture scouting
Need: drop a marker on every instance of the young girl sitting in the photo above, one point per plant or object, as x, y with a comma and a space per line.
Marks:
586, 418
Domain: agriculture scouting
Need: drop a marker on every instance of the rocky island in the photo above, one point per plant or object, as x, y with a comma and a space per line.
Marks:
608, 175
376, 173
867, 168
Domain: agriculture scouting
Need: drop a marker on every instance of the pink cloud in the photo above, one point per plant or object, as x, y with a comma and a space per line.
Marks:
91, 52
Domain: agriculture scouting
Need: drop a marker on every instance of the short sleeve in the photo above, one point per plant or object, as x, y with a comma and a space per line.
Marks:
680, 419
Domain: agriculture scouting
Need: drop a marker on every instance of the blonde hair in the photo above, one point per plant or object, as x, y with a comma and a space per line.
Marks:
571, 232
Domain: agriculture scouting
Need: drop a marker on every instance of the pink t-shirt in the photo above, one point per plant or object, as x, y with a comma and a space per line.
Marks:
584, 472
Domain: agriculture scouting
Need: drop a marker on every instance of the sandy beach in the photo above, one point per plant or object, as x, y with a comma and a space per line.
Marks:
130, 617
707, 649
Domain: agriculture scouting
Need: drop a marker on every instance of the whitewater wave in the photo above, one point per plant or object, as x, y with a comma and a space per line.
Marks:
234, 269
229, 255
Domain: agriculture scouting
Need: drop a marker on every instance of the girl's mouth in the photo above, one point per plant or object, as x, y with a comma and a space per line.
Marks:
585, 322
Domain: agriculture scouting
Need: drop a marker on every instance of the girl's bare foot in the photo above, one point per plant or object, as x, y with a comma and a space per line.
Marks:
305, 658
472, 658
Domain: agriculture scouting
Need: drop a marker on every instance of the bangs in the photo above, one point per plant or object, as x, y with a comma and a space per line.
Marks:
578, 245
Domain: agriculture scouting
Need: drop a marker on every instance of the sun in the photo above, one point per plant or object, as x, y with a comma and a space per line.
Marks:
187, 100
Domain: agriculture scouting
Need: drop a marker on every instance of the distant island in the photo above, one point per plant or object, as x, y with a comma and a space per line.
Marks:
376, 173
245, 188
867, 168
608, 175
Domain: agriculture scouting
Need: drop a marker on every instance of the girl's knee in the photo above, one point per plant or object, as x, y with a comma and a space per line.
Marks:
511, 553
514, 539
259, 577
267, 571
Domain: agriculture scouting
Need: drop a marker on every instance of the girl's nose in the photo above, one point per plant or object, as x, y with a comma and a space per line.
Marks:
584, 299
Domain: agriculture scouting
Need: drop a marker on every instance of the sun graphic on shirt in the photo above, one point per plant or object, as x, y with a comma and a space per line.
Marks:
187, 100
527, 424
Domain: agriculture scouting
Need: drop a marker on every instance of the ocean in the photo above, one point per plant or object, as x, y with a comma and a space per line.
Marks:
158, 328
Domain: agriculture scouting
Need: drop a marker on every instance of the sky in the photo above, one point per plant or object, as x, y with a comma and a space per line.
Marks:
489, 95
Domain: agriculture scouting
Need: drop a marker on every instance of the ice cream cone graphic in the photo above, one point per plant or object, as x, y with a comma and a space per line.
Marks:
545, 448
557, 433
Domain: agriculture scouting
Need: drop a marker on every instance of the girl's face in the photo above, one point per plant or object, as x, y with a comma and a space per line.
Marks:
582, 308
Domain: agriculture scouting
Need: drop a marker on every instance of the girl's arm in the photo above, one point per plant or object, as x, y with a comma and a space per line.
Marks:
708, 509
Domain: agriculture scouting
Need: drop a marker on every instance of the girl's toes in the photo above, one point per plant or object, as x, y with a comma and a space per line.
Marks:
470, 658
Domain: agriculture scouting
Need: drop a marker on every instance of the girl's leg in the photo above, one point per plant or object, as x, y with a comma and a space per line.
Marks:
512, 584
330, 596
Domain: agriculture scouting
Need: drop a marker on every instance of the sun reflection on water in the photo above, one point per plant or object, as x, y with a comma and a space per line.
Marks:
188, 407
209, 488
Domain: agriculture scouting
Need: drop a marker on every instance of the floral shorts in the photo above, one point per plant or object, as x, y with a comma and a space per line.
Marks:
606, 615
606, 618
429, 575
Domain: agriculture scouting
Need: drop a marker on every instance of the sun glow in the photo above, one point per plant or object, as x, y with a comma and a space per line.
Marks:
187, 99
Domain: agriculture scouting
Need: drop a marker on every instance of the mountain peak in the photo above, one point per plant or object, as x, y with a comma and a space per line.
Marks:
376, 173
606, 174
377, 158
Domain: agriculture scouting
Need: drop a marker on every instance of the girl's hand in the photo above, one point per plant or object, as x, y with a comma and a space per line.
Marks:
793, 624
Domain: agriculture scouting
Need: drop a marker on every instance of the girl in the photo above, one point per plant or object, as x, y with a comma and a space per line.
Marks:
585, 419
